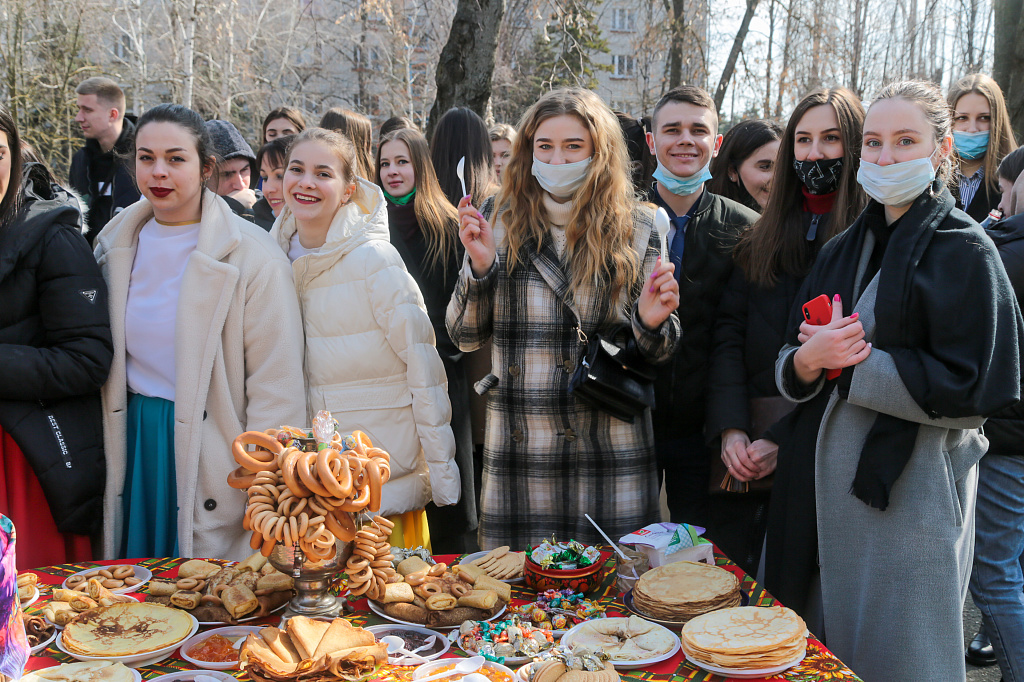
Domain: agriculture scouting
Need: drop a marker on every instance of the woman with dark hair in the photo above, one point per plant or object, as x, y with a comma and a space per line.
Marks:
641, 161
358, 130
207, 344
461, 133
424, 228
982, 135
395, 123
270, 160
282, 122
743, 169
56, 351
814, 196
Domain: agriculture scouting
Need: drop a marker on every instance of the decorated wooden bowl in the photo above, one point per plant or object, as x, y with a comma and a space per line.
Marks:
585, 580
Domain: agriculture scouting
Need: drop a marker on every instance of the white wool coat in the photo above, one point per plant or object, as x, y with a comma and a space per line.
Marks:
370, 356
238, 358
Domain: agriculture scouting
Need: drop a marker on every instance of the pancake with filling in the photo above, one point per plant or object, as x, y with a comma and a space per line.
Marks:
126, 629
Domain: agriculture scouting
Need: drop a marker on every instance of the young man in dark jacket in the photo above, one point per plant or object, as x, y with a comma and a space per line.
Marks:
233, 178
99, 170
685, 138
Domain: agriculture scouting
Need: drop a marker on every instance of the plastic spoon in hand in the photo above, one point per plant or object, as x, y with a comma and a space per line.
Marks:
463, 667
396, 645
460, 170
663, 225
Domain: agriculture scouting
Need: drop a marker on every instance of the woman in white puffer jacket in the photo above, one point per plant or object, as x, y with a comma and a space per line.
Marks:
369, 358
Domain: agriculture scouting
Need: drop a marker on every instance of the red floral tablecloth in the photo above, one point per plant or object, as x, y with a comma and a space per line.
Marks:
819, 665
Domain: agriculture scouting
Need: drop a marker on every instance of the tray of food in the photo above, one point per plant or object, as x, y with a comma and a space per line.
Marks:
745, 642
421, 641
40, 633
512, 641
217, 649
85, 671
313, 649
120, 579
500, 563
217, 593
628, 642
672, 594
560, 610
28, 589
495, 672
130, 633
65, 605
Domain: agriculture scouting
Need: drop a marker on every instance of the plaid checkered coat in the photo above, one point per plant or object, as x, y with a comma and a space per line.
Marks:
549, 459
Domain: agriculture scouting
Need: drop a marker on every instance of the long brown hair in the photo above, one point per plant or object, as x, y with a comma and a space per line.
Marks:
1000, 134
776, 242
599, 246
358, 129
436, 216
293, 115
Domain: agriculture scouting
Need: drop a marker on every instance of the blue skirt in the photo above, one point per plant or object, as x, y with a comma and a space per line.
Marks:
150, 499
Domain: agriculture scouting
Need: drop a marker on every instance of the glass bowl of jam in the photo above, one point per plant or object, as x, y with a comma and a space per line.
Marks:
216, 649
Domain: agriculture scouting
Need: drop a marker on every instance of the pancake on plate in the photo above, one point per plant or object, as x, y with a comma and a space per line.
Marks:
126, 629
679, 591
746, 637
86, 671
624, 639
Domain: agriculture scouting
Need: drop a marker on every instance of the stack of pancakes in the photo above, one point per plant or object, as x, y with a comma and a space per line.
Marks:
126, 629
679, 591
746, 638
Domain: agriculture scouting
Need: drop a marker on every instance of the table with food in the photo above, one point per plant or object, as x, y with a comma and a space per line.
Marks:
324, 598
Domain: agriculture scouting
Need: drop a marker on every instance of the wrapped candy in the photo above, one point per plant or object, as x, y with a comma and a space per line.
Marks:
324, 428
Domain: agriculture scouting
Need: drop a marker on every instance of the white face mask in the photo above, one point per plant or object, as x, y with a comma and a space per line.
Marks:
897, 184
560, 179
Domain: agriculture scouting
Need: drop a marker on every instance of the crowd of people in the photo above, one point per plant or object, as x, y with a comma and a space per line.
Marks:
827, 336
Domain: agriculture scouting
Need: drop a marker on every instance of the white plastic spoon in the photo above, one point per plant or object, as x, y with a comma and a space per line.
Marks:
460, 170
396, 645
463, 667
428, 645
475, 677
663, 224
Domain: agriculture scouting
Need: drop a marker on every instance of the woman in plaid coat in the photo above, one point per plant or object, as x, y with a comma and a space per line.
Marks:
567, 250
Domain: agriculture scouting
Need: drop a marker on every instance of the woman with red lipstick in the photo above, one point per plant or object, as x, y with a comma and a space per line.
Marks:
206, 345
424, 228
370, 356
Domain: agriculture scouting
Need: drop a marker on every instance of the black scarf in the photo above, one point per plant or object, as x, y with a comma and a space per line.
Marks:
945, 312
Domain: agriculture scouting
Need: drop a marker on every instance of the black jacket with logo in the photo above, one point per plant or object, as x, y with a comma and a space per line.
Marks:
91, 185
680, 390
55, 350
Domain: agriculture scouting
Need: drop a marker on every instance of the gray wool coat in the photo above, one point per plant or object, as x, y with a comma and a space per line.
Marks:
893, 582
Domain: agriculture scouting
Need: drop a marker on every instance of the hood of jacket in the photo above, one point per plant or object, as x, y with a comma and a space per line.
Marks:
1007, 230
364, 218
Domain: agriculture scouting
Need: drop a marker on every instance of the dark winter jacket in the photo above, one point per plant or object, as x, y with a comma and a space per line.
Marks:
1005, 430
681, 389
262, 214
55, 349
93, 170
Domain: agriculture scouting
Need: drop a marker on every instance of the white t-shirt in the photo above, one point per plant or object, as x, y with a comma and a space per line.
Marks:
152, 310
297, 250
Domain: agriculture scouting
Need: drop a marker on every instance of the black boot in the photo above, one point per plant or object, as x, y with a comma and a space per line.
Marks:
979, 651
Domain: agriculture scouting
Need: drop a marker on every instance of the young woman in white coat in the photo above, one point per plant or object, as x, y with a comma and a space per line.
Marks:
207, 344
370, 357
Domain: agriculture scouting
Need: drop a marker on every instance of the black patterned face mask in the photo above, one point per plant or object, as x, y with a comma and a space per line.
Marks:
821, 176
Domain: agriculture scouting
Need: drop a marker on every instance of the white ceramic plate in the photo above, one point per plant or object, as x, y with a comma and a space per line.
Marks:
479, 555
630, 665
745, 674
234, 633
42, 645
432, 667
382, 630
248, 619
376, 609
143, 574
33, 599
190, 675
138, 659
136, 675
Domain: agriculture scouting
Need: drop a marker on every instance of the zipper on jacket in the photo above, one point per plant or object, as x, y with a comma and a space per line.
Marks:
58, 435
812, 231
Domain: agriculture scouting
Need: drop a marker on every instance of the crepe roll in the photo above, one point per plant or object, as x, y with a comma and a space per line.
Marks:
27, 580
64, 617
64, 595
194, 568
97, 591
398, 592
186, 599
254, 563
472, 573
54, 607
239, 600
479, 599
83, 603
412, 565
485, 582
441, 602
159, 588
275, 582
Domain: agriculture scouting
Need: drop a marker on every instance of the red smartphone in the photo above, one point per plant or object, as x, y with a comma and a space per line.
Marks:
818, 312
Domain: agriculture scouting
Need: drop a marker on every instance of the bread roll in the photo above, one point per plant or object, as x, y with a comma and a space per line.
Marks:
186, 599
479, 599
398, 592
485, 582
159, 588
412, 565
440, 602
194, 568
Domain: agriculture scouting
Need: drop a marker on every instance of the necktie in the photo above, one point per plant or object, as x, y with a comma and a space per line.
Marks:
675, 251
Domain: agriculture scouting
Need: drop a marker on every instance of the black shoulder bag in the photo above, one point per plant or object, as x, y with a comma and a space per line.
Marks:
613, 378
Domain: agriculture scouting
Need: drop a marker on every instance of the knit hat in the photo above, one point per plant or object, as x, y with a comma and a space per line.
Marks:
228, 142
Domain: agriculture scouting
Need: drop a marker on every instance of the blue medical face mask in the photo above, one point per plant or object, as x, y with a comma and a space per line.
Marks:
561, 179
971, 146
897, 184
682, 187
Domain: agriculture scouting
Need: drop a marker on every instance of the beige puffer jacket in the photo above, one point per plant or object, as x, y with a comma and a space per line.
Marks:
370, 356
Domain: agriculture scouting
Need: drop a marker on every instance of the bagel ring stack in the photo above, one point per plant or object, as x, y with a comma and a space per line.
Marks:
306, 498
369, 568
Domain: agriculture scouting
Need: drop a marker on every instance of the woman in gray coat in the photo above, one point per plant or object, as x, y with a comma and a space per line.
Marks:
928, 355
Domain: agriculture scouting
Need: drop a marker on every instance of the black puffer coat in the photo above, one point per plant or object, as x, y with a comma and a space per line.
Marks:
55, 351
1005, 430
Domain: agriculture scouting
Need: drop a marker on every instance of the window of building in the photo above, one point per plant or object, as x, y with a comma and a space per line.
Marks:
623, 65
624, 20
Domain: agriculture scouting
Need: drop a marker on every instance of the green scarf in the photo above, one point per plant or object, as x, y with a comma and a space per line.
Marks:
400, 201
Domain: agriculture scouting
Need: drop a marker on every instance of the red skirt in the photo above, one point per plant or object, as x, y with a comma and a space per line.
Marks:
39, 543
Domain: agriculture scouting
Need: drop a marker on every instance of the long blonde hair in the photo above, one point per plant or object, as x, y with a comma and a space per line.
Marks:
599, 236
1000, 135
435, 215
